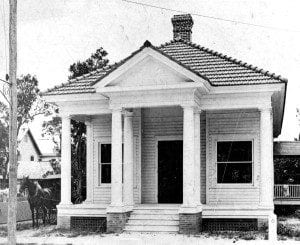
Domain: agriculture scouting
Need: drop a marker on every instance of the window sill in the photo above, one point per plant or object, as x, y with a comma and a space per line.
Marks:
235, 186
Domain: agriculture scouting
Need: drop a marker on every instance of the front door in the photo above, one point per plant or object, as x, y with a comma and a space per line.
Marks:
170, 171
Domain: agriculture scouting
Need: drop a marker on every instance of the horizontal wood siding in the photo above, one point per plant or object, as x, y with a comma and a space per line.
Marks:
233, 123
102, 130
156, 122
164, 122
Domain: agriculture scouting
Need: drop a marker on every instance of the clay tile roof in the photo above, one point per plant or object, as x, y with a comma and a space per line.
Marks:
218, 69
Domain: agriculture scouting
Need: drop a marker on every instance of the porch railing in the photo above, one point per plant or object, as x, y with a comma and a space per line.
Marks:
283, 191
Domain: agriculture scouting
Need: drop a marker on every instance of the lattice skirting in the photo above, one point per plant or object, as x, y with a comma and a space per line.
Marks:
89, 223
229, 225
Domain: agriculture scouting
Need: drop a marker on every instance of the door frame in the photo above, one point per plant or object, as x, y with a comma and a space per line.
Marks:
162, 138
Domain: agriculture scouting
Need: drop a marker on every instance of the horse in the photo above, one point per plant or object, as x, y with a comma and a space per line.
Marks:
38, 198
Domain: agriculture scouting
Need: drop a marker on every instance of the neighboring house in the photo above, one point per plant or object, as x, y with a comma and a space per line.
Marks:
287, 172
28, 149
176, 135
31, 149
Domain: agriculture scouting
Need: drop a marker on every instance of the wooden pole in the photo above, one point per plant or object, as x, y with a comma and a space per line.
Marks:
12, 202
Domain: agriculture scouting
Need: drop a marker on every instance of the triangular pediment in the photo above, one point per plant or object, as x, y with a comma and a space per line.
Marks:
149, 72
148, 69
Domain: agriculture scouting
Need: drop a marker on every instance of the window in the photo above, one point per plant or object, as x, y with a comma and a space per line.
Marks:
31, 158
105, 163
234, 162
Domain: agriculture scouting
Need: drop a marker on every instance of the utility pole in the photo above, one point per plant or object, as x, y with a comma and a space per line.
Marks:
12, 201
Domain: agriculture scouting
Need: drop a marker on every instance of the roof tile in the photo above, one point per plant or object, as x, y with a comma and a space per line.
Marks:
217, 68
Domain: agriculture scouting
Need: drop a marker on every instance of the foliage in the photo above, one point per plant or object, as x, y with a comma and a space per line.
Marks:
287, 170
53, 128
96, 61
78, 133
78, 129
29, 105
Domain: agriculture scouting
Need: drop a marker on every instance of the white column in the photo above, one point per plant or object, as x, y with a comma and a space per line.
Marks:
89, 162
116, 159
188, 159
128, 161
66, 161
267, 165
197, 158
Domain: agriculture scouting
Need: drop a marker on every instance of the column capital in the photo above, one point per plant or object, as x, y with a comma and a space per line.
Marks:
116, 109
128, 113
88, 121
197, 111
188, 106
65, 116
265, 109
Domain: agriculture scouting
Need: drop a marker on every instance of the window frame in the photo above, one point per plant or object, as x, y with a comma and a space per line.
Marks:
99, 163
235, 138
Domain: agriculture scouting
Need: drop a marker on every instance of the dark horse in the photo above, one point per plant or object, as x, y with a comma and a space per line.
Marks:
38, 198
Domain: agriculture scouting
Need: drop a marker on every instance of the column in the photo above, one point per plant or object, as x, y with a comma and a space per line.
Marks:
116, 159
66, 161
128, 161
190, 215
89, 162
267, 165
188, 157
197, 159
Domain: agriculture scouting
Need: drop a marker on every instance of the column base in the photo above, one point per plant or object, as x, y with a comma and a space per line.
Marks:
116, 221
63, 222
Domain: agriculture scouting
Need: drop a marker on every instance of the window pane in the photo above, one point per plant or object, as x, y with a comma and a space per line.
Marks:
234, 151
234, 172
105, 173
105, 153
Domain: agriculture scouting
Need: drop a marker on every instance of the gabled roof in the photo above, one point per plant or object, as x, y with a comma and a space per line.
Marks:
216, 68
33, 141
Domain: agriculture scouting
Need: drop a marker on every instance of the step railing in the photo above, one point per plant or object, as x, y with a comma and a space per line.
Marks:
286, 191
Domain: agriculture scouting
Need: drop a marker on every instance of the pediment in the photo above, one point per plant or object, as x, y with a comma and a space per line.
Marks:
149, 69
149, 72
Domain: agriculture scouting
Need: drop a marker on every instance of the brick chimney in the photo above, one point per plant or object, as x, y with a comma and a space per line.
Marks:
182, 27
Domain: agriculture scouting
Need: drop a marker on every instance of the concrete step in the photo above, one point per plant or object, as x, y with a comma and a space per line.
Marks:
150, 222
151, 228
157, 207
154, 216
155, 211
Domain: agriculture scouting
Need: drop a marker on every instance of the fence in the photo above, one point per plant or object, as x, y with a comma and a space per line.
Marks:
287, 191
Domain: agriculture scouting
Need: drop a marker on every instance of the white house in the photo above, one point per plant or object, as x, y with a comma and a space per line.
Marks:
32, 148
176, 135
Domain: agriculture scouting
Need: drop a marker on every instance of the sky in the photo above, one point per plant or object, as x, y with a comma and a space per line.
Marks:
52, 34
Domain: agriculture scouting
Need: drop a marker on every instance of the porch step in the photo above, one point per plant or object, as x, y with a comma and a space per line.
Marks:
153, 218
144, 222
152, 228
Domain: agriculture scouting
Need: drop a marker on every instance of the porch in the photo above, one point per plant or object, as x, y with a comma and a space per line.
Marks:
134, 178
286, 194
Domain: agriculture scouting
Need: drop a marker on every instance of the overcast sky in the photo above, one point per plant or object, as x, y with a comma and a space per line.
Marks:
52, 34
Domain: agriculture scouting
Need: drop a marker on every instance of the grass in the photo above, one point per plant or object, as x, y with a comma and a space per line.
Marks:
236, 235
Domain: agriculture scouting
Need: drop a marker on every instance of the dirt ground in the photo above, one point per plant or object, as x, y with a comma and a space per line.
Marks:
289, 230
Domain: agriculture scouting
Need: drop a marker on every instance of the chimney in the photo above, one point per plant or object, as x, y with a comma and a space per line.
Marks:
182, 27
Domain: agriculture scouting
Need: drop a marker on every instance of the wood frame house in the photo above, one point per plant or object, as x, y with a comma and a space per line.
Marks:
176, 135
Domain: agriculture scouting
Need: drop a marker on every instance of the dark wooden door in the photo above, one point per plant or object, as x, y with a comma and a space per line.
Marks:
170, 171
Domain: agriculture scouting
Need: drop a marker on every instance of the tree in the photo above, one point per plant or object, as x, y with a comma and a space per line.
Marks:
29, 105
96, 61
78, 129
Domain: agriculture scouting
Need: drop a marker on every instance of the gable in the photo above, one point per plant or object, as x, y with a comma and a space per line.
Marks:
149, 72
148, 68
